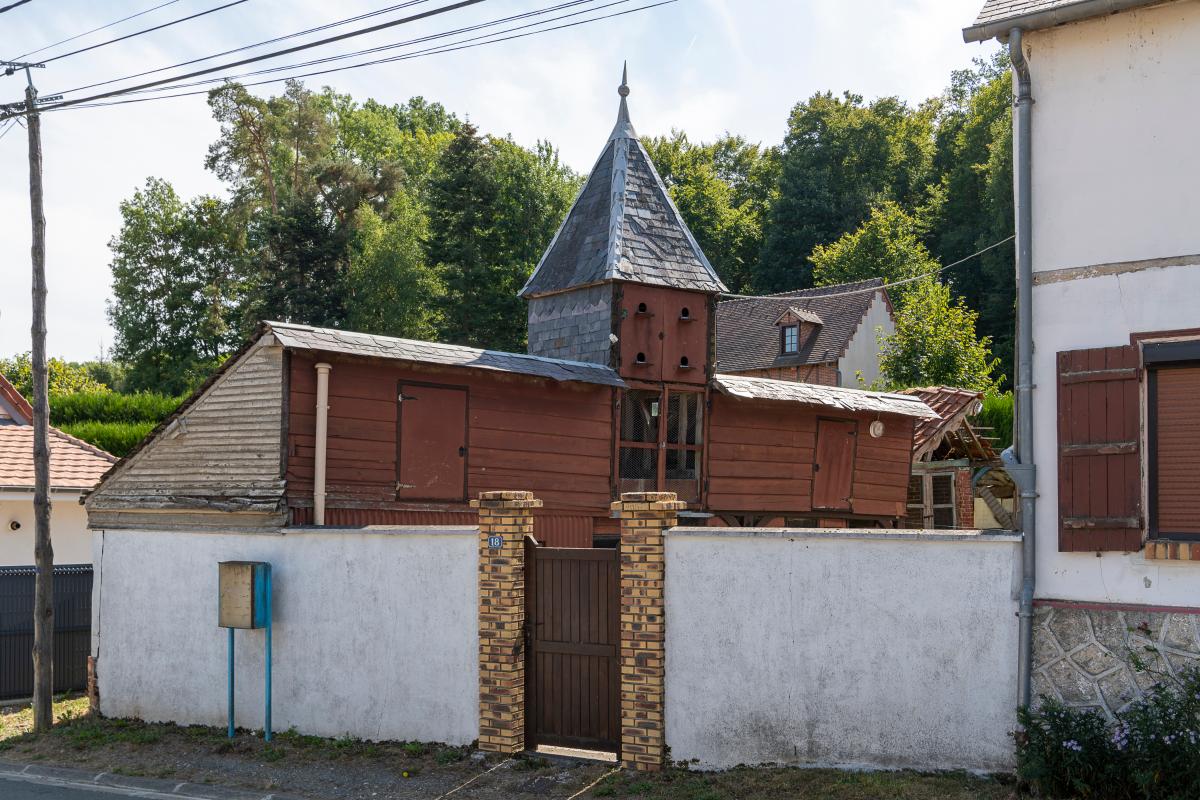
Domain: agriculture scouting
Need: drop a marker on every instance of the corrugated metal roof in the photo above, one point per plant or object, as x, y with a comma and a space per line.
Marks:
623, 227
329, 340
952, 406
818, 395
748, 339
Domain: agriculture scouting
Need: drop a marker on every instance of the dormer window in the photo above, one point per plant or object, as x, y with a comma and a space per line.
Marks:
796, 327
789, 339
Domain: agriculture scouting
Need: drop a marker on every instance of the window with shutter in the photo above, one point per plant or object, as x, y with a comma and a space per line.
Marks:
1173, 438
1099, 469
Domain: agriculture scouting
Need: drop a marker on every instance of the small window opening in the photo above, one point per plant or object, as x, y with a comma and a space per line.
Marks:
683, 363
641, 358
789, 339
685, 313
641, 308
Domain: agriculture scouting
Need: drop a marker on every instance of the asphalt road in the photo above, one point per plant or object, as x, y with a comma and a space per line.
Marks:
47, 789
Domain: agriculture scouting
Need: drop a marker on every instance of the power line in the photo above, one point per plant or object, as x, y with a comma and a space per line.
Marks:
11, 6
277, 53
419, 40
326, 26
146, 30
12, 123
94, 30
922, 276
420, 54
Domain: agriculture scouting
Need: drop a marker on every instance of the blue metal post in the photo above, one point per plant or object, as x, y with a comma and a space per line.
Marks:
230, 682
267, 725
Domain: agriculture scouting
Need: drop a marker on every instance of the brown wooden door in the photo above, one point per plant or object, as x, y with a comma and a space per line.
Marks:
432, 463
833, 469
572, 674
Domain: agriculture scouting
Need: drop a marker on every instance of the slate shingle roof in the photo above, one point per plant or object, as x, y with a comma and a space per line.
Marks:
748, 339
623, 226
996, 14
330, 340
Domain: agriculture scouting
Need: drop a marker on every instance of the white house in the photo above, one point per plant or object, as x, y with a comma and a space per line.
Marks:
75, 467
1114, 195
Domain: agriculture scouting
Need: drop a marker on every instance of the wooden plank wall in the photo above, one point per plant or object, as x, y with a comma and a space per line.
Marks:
760, 458
553, 439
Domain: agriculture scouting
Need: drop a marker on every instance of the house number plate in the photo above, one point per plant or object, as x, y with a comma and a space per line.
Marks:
495, 542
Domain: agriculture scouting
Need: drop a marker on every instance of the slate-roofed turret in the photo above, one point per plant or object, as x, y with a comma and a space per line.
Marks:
623, 227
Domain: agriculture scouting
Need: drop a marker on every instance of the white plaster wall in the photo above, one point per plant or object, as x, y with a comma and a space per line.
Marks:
1116, 176
863, 351
375, 631
1102, 312
802, 647
69, 534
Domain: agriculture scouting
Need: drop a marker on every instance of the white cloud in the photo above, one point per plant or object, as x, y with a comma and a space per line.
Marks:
703, 66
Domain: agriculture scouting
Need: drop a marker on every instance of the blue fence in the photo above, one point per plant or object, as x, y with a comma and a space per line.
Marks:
72, 628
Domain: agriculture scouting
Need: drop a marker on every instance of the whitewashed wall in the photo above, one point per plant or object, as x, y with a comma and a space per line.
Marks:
862, 354
1116, 178
68, 529
375, 631
820, 647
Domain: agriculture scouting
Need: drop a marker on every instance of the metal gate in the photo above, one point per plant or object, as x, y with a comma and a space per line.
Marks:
72, 628
573, 647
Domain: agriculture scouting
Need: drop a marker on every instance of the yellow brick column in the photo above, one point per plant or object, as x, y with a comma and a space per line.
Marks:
644, 518
504, 519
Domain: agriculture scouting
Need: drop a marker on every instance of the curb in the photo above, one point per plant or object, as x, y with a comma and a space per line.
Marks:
151, 786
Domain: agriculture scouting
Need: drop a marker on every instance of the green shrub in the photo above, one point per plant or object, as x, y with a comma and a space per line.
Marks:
67, 409
1151, 753
117, 438
997, 414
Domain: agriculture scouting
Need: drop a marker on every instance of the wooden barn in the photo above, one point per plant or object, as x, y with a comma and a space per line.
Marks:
619, 392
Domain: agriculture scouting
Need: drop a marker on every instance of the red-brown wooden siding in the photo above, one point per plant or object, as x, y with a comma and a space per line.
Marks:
1099, 473
662, 334
1177, 450
540, 436
760, 457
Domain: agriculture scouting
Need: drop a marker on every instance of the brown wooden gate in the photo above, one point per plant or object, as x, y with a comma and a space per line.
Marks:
572, 613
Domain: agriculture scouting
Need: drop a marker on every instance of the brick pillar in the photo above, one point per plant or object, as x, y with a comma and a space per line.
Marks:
644, 517
509, 516
964, 496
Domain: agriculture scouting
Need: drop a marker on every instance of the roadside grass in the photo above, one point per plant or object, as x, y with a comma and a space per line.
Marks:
778, 783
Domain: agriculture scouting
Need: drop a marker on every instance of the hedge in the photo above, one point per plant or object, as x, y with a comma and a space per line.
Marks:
79, 407
117, 438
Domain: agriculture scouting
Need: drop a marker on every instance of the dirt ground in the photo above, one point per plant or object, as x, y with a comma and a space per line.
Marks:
351, 769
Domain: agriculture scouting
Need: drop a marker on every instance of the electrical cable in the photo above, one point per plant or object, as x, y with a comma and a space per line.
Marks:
146, 30
922, 276
94, 30
11, 6
263, 43
418, 40
444, 49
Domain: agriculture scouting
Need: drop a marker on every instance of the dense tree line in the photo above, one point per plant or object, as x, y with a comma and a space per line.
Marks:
407, 220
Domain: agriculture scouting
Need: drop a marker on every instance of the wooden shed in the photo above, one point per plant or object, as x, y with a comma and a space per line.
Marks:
619, 392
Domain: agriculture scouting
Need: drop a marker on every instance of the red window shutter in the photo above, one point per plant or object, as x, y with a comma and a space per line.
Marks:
1099, 469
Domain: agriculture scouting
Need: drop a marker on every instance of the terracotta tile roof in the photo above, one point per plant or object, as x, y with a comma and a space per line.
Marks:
817, 395
748, 339
953, 406
74, 464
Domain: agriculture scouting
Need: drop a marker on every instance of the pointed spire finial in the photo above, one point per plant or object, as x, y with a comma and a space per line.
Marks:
624, 128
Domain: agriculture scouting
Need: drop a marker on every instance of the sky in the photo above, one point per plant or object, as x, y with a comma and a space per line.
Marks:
701, 66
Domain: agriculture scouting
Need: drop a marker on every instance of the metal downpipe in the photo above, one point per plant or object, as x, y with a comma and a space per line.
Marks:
322, 436
1023, 471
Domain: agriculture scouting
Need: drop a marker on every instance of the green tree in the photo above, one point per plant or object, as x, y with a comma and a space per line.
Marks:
887, 246
178, 280
64, 377
392, 291
841, 156
935, 343
493, 208
723, 191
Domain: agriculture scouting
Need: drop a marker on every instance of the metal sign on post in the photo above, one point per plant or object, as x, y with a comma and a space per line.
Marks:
244, 601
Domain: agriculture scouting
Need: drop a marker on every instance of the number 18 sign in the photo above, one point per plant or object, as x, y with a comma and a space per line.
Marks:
495, 542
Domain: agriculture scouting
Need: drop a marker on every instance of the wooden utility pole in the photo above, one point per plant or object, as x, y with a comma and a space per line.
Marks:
43, 552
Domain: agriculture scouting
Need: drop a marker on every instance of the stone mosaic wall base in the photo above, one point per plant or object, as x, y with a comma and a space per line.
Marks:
1083, 656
